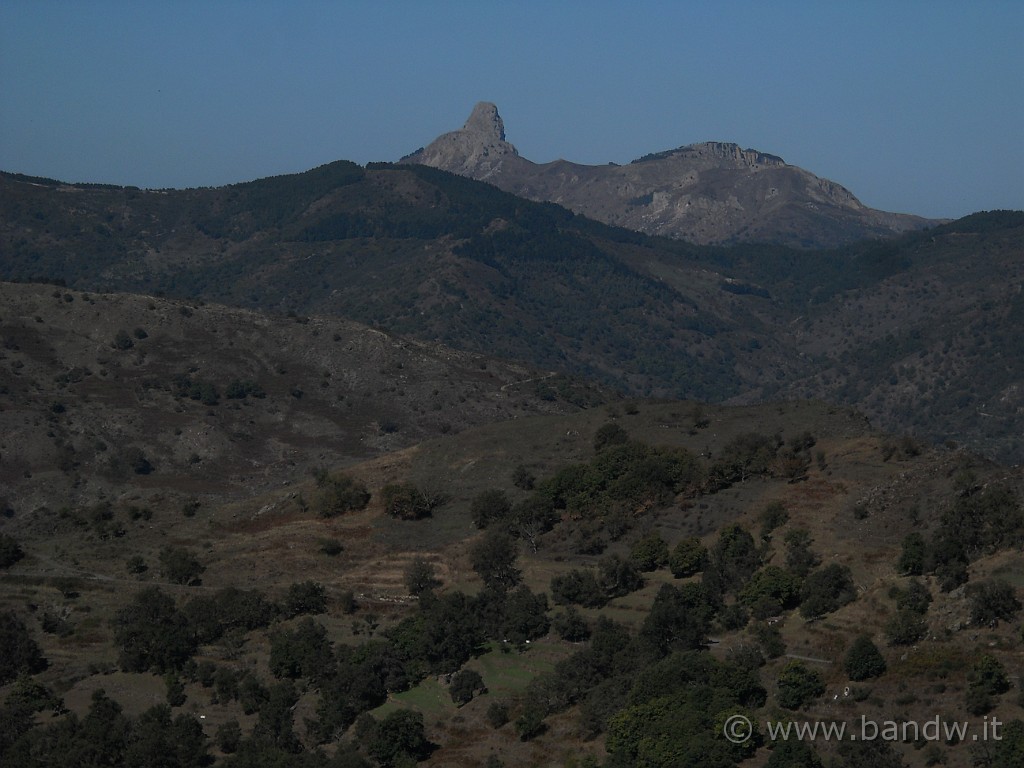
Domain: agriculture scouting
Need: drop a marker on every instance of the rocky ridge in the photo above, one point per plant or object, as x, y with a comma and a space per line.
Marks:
708, 193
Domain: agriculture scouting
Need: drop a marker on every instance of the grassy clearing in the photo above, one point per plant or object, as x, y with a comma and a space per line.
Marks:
504, 674
429, 697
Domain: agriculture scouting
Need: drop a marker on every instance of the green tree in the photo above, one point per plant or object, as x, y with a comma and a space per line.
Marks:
618, 577
744, 456
571, 626
421, 578
180, 566
799, 557
489, 506
20, 651
228, 736
772, 588
275, 725
524, 616
913, 554
773, 516
732, 560
678, 619
869, 753
797, 685
305, 597
523, 478
688, 557
793, 753
530, 723
231, 609
991, 601
531, 518
649, 552
153, 634
17, 715
252, 694
1008, 752
609, 434
331, 547
304, 651
340, 493
827, 589
407, 502
578, 587
769, 638
464, 685
915, 597
445, 632
494, 559
497, 714
906, 627
175, 690
989, 675
400, 734
864, 660
159, 739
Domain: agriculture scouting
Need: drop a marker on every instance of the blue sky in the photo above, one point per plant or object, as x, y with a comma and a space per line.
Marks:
914, 106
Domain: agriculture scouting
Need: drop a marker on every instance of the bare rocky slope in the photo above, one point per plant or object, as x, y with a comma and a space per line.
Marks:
709, 193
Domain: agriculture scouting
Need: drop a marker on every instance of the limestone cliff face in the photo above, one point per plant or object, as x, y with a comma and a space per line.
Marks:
713, 192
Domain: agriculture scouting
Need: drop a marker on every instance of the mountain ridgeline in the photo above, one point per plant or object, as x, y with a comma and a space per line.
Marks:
899, 327
712, 193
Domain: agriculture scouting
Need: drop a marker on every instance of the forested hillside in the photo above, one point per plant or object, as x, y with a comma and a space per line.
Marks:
899, 328
604, 588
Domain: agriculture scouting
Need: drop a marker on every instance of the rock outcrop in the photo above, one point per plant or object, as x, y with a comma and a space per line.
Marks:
477, 150
711, 193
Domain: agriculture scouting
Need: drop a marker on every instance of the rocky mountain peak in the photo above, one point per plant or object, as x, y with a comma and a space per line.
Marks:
485, 122
477, 150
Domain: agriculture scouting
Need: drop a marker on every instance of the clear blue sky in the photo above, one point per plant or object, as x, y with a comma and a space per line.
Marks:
914, 106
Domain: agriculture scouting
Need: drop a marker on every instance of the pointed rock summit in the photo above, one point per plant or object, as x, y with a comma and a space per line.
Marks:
713, 192
478, 150
485, 122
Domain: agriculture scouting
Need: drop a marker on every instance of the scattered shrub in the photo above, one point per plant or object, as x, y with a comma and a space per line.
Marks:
180, 566
305, 597
864, 660
341, 493
905, 628
407, 502
122, 341
464, 685
331, 547
497, 714
488, 507
10, 551
991, 601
